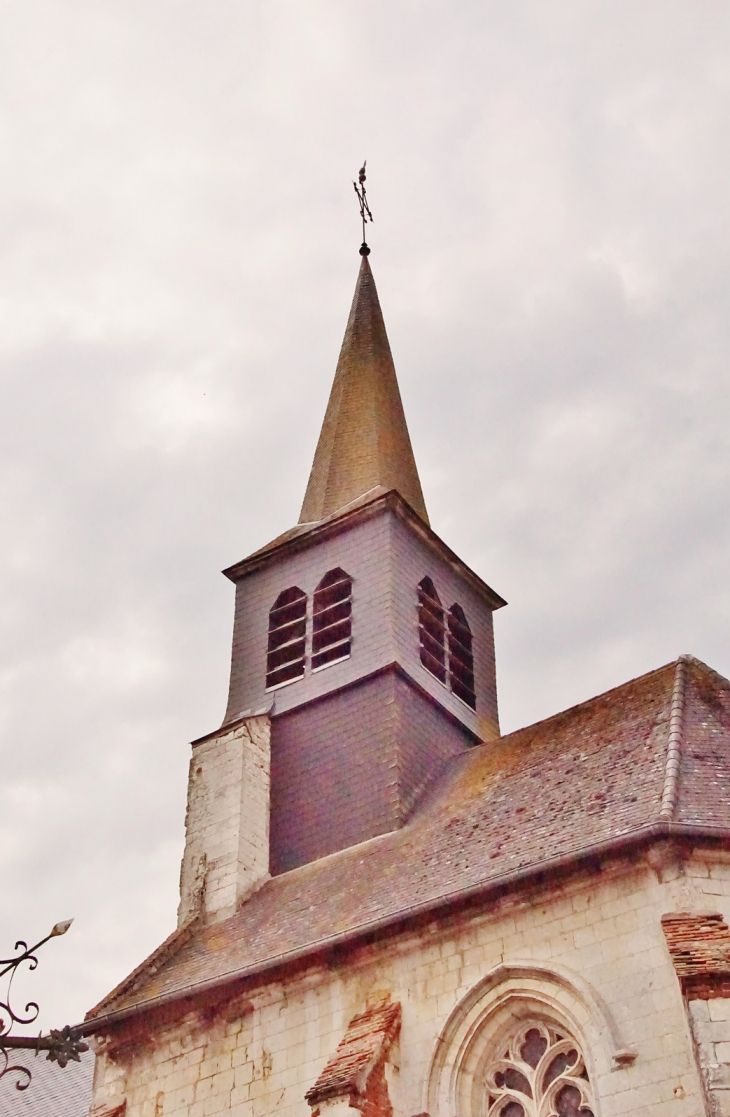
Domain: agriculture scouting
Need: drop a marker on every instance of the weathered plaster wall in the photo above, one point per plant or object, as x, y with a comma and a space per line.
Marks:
259, 1054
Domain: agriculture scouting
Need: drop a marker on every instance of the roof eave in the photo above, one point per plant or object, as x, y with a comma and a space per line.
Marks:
641, 836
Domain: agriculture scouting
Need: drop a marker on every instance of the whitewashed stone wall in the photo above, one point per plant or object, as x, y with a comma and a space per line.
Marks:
227, 821
262, 1053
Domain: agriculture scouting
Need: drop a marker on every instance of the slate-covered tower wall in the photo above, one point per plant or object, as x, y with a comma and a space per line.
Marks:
354, 744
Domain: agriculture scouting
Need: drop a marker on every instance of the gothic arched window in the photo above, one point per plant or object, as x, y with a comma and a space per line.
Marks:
332, 619
286, 648
431, 630
461, 657
539, 1072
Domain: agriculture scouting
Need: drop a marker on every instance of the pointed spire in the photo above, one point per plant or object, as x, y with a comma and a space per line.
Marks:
364, 442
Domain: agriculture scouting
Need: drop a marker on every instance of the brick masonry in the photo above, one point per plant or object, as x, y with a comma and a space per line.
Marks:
262, 1049
699, 944
359, 1058
352, 765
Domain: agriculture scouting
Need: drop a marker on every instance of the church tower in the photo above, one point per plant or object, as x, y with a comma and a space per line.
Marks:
387, 908
359, 637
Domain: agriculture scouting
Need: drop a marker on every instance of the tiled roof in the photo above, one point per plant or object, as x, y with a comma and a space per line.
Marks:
53, 1092
366, 1041
587, 778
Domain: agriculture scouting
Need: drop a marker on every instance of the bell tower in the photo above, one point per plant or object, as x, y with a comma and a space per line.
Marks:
362, 635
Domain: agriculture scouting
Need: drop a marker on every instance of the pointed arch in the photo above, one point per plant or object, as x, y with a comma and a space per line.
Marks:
332, 619
431, 629
487, 1018
461, 657
287, 641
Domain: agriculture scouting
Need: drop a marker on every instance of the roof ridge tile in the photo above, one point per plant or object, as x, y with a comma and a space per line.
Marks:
674, 742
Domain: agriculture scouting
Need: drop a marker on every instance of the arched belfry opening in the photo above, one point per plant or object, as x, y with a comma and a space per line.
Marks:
286, 649
461, 657
332, 619
431, 630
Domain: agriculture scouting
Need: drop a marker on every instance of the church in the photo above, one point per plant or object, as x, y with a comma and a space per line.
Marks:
387, 908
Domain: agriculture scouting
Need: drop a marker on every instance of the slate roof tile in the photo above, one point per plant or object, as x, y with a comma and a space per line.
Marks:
53, 1092
590, 774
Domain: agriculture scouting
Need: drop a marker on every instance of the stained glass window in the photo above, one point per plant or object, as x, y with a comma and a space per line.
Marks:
540, 1072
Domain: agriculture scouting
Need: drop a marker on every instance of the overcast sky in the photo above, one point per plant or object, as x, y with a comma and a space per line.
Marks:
179, 248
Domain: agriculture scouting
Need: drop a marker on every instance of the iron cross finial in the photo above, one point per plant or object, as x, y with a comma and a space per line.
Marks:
365, 214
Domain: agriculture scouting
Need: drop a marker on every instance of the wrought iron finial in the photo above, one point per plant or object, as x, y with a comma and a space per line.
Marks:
365, 214
62, 1046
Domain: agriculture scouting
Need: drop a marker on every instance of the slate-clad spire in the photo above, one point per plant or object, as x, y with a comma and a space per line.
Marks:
364, 442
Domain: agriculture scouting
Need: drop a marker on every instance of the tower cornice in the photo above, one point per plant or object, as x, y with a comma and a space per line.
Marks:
372, 504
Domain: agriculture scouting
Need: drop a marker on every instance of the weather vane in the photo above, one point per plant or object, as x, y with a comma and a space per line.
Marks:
365, 213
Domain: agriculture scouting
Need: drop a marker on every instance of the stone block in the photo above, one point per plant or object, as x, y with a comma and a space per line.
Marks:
717, 1074
712, 1031
721, 1101
700, 1011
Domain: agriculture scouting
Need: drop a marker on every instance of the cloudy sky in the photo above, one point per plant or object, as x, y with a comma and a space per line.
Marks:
179, 248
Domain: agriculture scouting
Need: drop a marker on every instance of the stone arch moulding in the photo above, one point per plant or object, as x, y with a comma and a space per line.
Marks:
508, 993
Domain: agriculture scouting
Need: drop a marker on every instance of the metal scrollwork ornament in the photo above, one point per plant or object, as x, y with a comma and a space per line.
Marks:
62, 1045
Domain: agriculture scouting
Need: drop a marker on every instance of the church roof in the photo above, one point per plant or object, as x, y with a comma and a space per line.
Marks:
53, 1091
364, 442
648, 759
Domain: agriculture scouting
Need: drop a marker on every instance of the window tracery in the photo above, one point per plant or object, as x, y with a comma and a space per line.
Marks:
540, 1072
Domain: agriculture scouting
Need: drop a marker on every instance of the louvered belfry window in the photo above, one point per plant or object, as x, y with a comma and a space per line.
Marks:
431, 630
332, 619
445, 643
461, 657
287, 638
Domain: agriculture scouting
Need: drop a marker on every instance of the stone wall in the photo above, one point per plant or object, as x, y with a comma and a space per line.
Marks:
699, 945
589, 951
227, 820
711, 1028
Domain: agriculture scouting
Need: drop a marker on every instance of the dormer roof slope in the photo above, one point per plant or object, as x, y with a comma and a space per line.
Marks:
364, 442
648, 759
